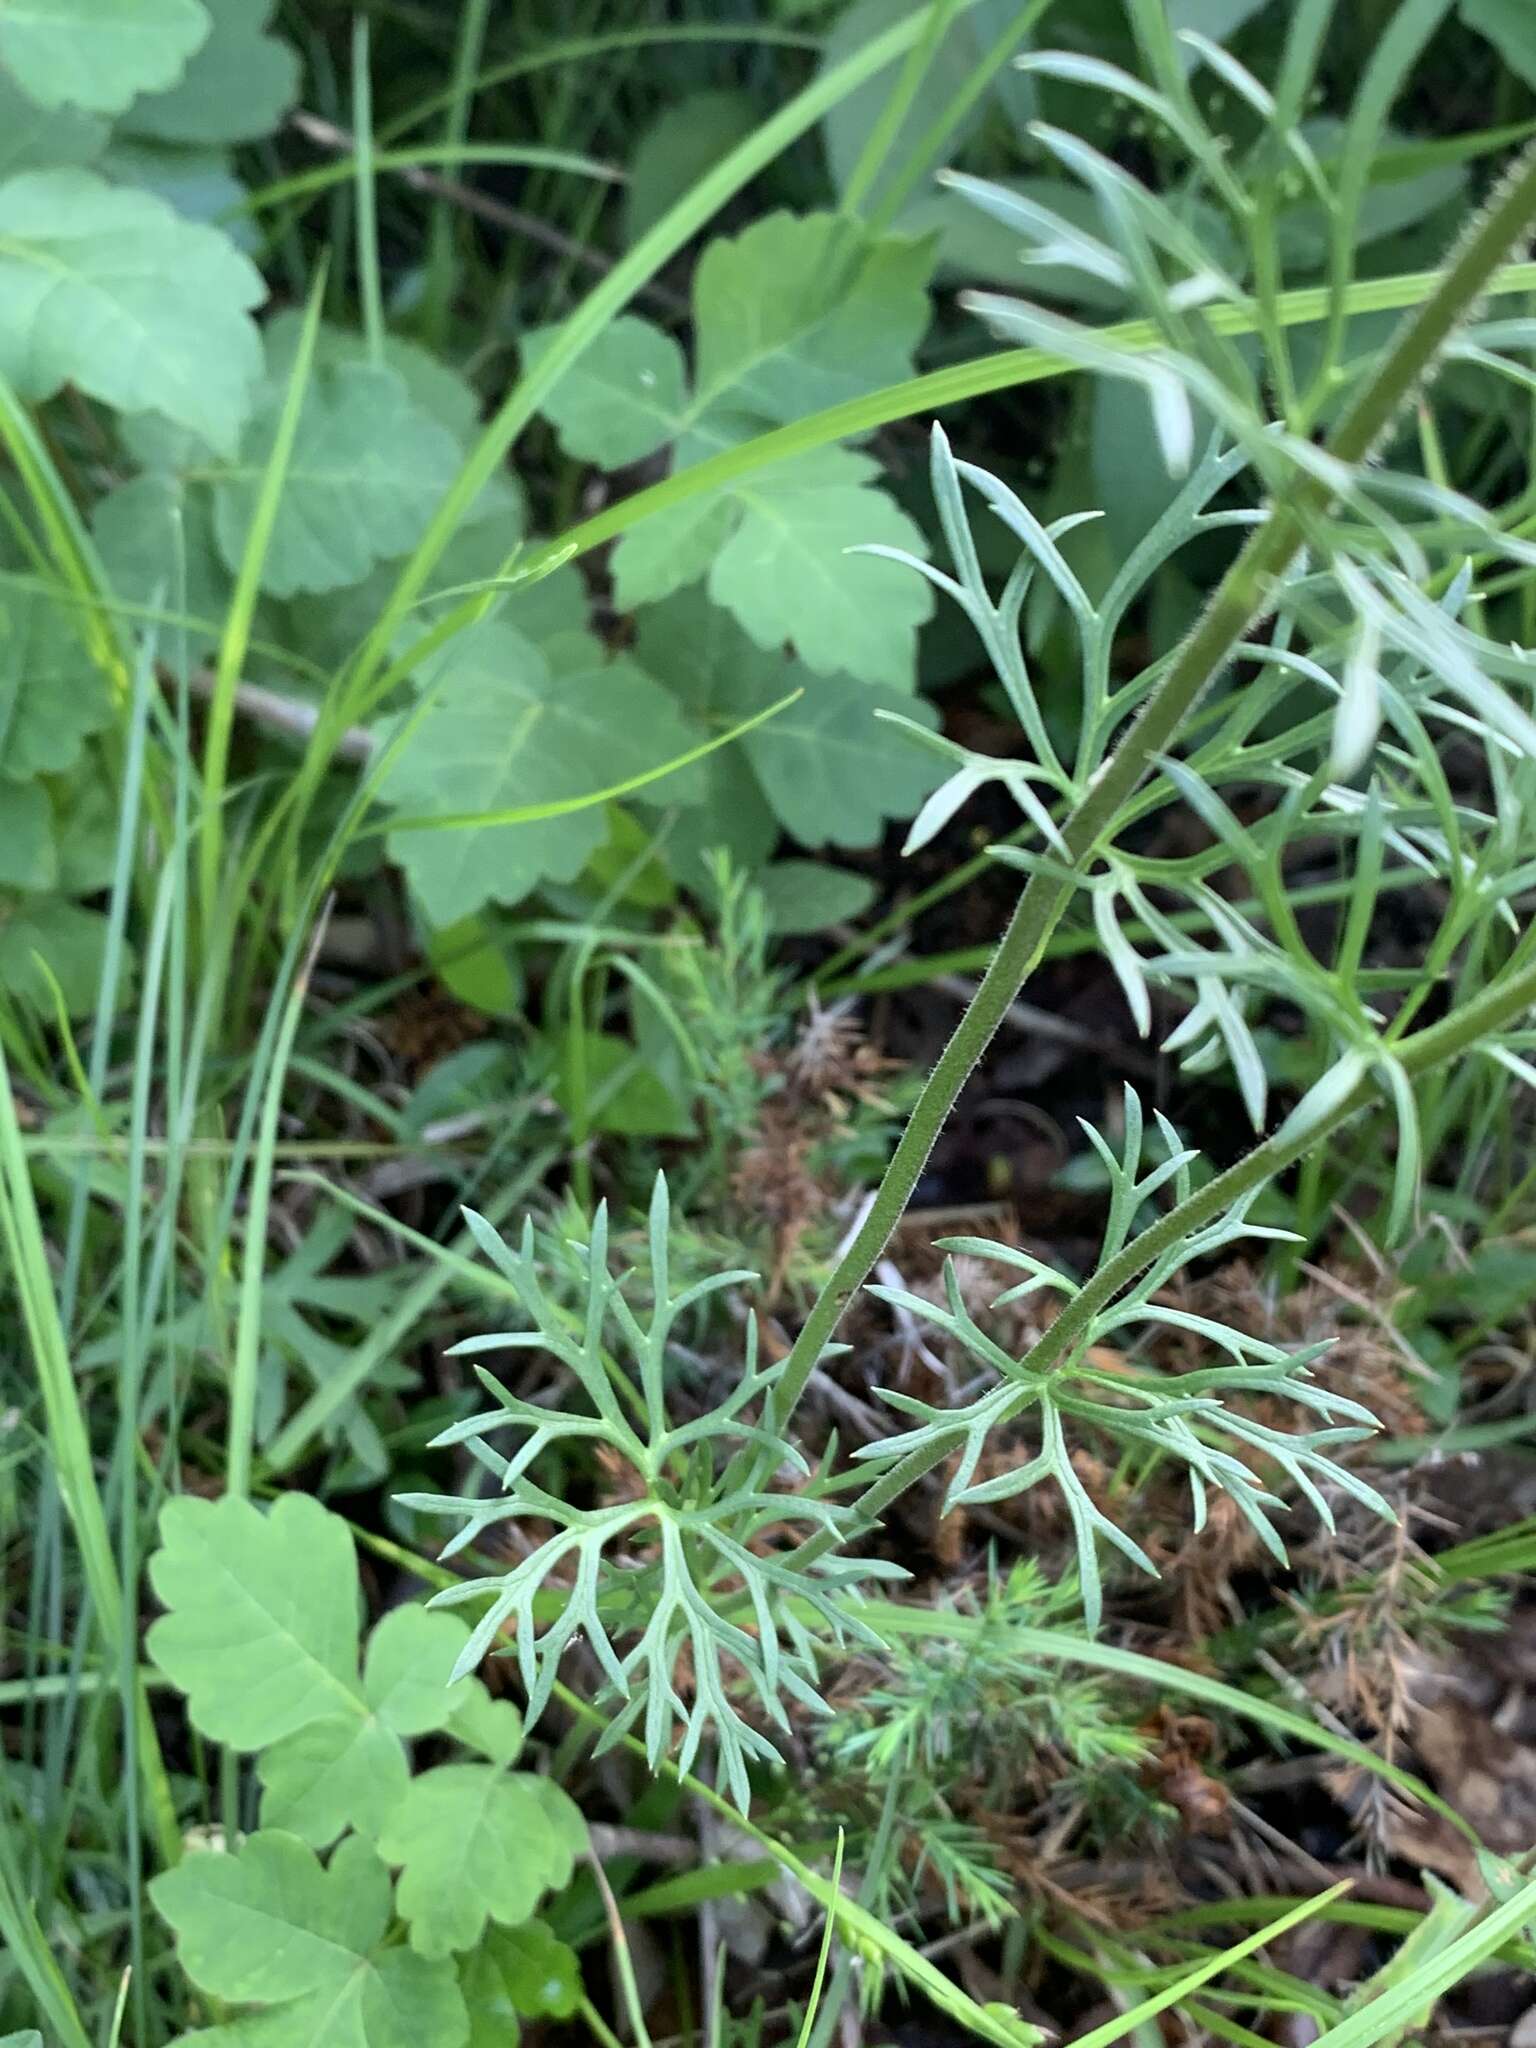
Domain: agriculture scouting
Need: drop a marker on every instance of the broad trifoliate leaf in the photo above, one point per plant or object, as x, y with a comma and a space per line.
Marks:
98, 53
807, 895
673, 547
800, 312
602, 1079
367, 472
110, 290
267, 1926
28, 859
788, 575
625, 395
794, 314
776, 550
87, 813
435, 388
509, 724
516, 1973
476, 1844
831, 771
347, 1771
52, 695
155, 535
237, 86
262, 1623
70, 938
262, 1637
199, 184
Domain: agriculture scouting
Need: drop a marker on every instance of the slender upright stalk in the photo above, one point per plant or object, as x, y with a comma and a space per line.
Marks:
1244, 595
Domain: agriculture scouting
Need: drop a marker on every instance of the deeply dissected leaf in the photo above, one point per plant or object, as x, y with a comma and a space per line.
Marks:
237, 85
262, 1628
367, 472
110, 290
98, 53
477, 1845
509, 725
267, 1925
52, 695
830, 770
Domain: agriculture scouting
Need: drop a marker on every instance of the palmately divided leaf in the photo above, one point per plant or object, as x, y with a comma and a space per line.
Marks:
236, 87
477, 1845
110, 290
98, 53
831, 771
367, 472
503, 729
262, 1624
267, 1925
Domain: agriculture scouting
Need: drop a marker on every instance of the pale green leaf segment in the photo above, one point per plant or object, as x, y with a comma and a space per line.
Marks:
236, 87
502, 721
307, 1945
99, 54
106, 288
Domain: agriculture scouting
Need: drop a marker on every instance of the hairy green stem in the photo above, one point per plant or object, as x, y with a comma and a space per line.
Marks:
1243, 596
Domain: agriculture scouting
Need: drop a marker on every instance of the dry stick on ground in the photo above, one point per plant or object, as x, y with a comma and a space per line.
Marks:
496, 212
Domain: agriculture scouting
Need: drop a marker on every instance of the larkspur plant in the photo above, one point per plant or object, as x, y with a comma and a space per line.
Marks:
689, 1526
1330, 715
